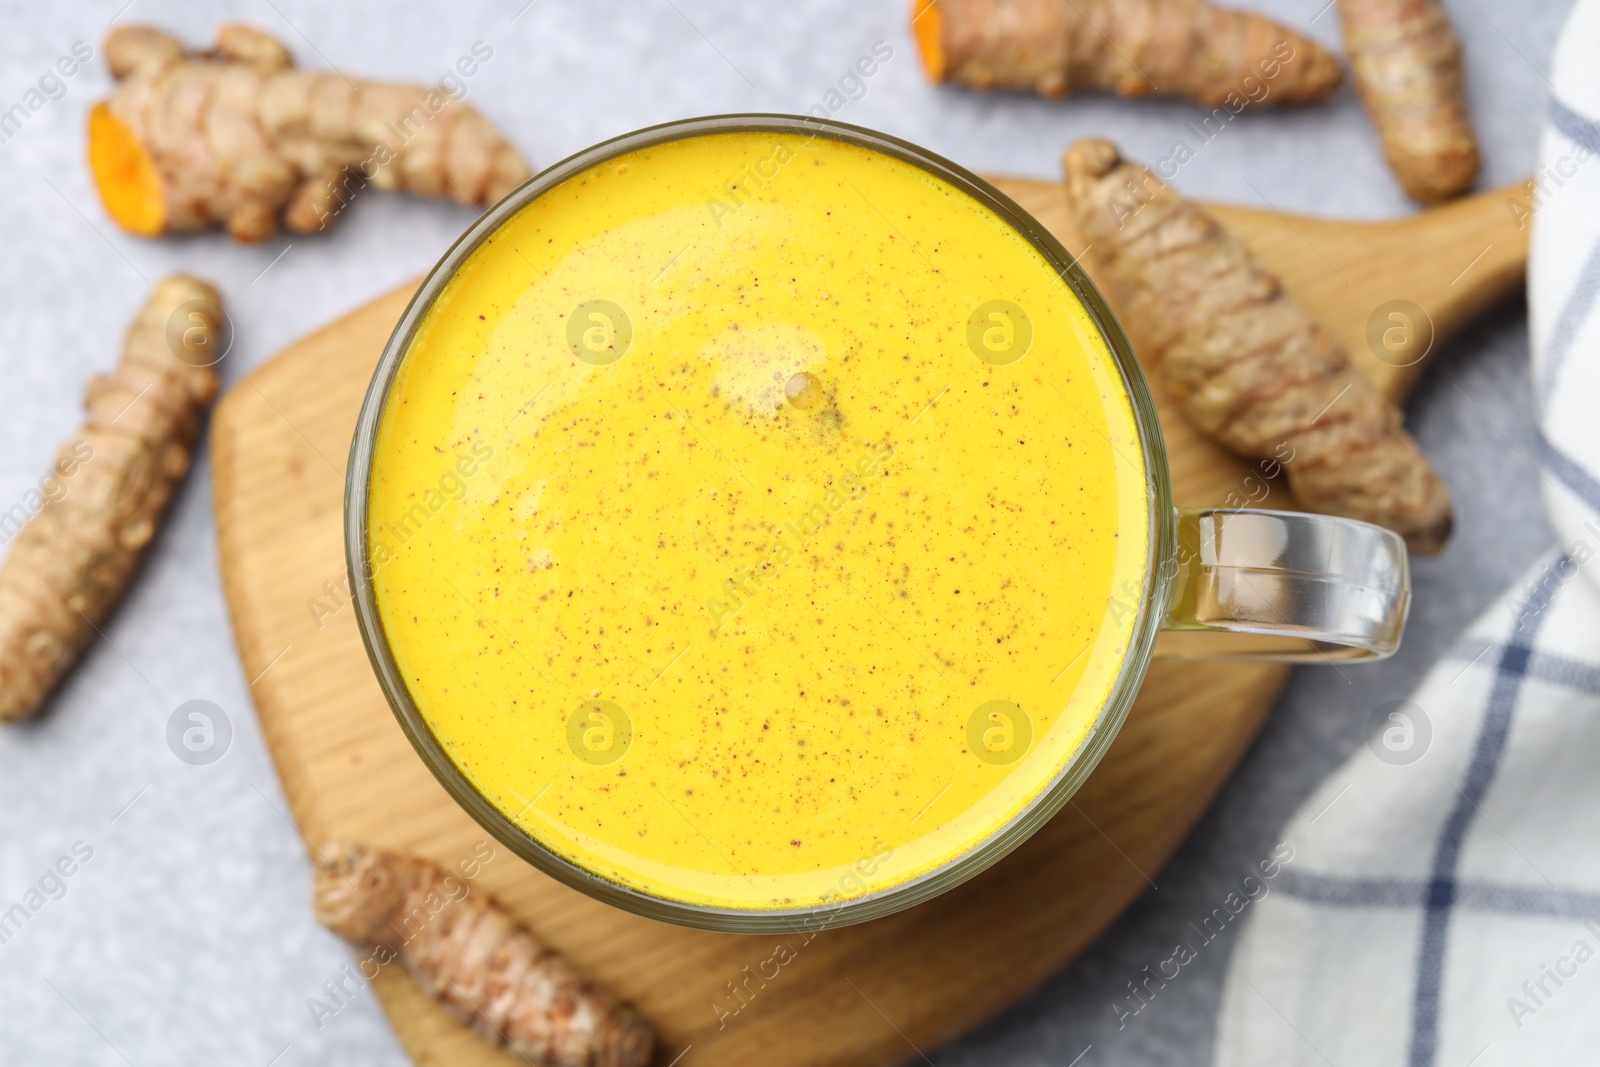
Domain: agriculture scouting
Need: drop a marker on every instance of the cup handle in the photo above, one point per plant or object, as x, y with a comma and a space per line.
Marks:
1283, 586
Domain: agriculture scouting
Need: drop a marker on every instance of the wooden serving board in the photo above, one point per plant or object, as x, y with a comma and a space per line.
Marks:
876, 993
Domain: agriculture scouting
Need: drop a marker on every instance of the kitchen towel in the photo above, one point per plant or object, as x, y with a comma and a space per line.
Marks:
1442, 904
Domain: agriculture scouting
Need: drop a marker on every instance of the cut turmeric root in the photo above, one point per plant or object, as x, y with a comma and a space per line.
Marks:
129, 183
467, 952
1407, 64
104, 497
1247, 364
237, 137
1175, 47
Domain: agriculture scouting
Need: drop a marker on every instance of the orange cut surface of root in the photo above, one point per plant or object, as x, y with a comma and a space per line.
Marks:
129, 184
927, 23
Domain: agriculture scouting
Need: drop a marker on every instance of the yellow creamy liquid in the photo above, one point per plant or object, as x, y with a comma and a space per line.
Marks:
713, 596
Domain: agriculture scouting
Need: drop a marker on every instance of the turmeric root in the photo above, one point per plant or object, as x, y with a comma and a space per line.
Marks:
105, 495
1248, 365
237, 137
1407, 65
1175, 47
470, 954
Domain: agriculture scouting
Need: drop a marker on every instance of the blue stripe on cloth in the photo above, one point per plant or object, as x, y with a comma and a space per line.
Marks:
1351, 892
1574, 314
1570, 473
1585, 133
1575, 127
1441, 893
1521, 900
1491, 897
1542, 666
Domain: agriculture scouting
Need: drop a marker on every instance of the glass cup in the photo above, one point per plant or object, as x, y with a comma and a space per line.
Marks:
1219, 582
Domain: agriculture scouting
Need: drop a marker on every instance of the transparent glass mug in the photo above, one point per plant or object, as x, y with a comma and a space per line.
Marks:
1219, 583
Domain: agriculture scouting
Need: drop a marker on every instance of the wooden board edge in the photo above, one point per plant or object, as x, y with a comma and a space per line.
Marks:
247, 638
227, 453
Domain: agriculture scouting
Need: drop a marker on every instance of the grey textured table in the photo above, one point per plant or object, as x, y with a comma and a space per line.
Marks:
187, 937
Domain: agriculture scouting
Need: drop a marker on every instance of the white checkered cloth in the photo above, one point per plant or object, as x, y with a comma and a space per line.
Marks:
1443, 903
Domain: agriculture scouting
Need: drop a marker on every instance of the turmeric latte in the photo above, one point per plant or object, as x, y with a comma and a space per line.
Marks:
758, 521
